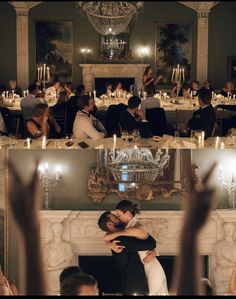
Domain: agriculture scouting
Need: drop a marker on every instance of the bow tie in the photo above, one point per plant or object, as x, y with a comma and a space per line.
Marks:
86, 113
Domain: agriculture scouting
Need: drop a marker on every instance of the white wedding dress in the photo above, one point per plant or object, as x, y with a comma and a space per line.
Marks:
155, 274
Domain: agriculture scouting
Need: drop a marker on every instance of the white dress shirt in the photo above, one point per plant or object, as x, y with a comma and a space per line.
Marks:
149, 103
84, 126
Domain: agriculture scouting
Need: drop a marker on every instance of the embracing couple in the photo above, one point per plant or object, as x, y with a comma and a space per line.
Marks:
133, 251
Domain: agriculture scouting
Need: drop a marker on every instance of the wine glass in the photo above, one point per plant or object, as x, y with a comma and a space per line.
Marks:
69, 140
130, 137
124, 136
136, 135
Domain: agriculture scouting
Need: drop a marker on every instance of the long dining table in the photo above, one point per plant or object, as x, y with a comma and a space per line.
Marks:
165, 142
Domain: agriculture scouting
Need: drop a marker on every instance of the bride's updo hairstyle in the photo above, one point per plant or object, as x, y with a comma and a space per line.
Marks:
126, 205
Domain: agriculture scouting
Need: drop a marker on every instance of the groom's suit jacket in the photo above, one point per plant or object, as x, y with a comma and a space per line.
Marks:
133, 277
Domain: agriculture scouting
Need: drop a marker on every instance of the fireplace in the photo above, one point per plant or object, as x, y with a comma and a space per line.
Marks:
103, 269
92, 71
86, 239
100, 84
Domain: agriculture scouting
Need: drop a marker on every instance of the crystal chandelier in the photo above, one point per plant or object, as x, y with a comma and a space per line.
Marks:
138, 165
110, 17
112, 45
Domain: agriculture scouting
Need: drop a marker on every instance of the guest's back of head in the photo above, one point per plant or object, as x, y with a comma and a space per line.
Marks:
79, 284
33, 88
68, 271
83, 101
134, 102
80, 89
205, 96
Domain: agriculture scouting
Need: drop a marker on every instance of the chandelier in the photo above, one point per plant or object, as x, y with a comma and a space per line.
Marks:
110, 17
112, 45
138, 165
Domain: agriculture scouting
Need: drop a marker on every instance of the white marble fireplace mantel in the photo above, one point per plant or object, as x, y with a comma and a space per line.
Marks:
92, 71
81, 232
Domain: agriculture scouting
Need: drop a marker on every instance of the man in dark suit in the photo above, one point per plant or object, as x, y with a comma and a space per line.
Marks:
204, 118
125, 254
134, 119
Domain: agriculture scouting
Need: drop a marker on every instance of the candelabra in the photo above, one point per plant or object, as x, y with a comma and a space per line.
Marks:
178, 75
230, 186
48, 181
43, 75
85, 52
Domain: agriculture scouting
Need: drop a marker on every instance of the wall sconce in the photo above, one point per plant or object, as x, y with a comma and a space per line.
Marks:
143, 52
85, 52
49, 179
229, 185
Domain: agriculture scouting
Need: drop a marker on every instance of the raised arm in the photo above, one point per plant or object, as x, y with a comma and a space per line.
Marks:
134, 244
135, 232
199, 203
24, 201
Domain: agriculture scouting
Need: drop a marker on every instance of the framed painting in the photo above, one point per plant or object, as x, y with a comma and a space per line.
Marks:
173, 47
231, 63
54, 47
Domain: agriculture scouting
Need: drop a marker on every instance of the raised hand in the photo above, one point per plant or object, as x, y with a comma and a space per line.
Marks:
200, 199
24, 199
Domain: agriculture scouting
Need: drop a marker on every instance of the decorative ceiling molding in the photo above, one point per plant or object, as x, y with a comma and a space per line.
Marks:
23, 4
201, 6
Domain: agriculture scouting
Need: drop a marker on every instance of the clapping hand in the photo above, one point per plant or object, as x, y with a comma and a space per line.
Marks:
200, 200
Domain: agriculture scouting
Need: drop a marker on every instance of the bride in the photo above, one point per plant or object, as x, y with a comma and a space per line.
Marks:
126, 211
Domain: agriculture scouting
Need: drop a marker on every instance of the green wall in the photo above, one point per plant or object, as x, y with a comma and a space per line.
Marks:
221, 37
8, 42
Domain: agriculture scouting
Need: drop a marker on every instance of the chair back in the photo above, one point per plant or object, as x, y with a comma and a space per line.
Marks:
113, 119
157, 121
59, 113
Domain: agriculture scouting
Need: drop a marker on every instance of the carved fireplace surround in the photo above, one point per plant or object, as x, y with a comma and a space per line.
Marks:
92, 71
80, 230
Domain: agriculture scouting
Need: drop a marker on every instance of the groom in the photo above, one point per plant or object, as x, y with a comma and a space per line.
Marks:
126, 256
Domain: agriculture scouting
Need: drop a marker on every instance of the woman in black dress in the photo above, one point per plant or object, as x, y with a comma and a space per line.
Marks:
149, 81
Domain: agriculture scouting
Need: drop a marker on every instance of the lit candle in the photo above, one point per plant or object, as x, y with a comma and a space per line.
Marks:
191, 94
183, 76
234, 96
222, 145
7, 92
44, 72
48, 74
28, 143
212, 95
46, 167
199, 141
90, 94
44, 142
228, 94
27, 92
94, 94
167, 152
217, 142
3, 94
38, 74
173, 75
203, 138
24, 93
114, 141
177, 72
41, 73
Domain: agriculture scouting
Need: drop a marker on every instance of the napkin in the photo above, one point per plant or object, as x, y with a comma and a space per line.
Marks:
101, 146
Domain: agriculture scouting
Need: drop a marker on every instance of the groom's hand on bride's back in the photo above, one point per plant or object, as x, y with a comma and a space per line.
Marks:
150, 256
113, 245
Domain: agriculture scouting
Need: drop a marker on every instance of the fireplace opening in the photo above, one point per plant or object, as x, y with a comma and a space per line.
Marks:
100, 84
104, 270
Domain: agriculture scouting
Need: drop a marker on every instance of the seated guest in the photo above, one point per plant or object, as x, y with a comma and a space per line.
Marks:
177, 91
40, 85
193, 90
28, 103
79, 284
133, 118
42, 123
72, 107
85, 124
204, 118
108, 88
228, 90
13, 87
149, 103
55, 89
208, 86
119, 90
68, 87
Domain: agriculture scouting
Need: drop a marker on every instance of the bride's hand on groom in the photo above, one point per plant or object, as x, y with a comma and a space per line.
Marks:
150, 256
115, 247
